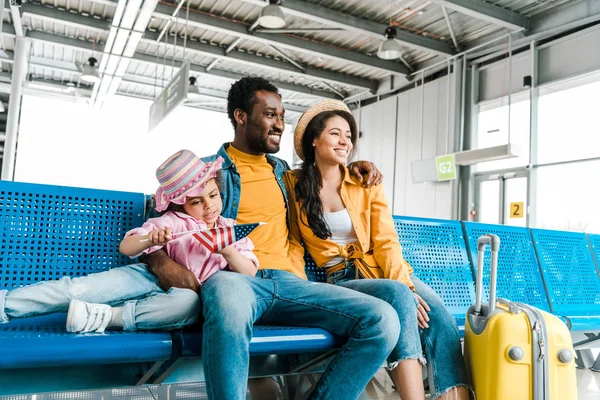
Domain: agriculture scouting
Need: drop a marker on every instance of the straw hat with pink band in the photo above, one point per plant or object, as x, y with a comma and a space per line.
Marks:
183, 175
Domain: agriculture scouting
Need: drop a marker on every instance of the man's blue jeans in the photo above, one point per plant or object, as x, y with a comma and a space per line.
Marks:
440, 342
145, 305
233, 303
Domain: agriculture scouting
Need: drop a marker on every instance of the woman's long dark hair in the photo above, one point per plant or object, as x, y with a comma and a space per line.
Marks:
310, 181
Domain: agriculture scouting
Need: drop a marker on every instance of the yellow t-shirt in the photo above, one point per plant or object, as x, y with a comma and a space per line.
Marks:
261, 199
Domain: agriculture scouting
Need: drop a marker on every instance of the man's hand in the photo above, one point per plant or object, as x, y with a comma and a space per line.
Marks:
358, 168
422, 310
170, 274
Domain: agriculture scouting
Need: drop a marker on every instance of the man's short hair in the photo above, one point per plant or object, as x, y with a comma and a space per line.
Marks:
242, 95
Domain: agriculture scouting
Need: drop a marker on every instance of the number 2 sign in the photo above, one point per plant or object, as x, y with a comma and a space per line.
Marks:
516, 210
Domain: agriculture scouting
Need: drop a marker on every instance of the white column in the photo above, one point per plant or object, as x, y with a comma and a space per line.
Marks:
14, 108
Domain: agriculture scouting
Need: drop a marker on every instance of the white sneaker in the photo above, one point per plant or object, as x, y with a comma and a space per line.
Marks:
88, 317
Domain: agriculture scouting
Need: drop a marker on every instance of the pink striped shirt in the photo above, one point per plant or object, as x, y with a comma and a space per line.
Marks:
188, 251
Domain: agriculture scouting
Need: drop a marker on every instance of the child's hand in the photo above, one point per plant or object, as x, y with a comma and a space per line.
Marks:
159, 236
227, 251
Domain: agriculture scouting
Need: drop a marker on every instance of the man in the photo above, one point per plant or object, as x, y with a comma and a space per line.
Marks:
279, 294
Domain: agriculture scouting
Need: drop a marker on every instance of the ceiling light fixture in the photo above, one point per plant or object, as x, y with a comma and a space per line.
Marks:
389, 49
271, 16
90, 72
70, 87
193, 90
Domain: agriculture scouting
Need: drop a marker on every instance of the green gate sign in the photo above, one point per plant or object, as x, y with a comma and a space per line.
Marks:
446, 168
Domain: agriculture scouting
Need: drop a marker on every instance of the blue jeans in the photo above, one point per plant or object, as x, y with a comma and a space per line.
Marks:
440, 342
234, 302
145, 305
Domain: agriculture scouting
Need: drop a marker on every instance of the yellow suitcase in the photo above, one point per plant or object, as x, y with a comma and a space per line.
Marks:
514, 351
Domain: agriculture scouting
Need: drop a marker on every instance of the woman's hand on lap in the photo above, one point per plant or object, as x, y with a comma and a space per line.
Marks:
422, 310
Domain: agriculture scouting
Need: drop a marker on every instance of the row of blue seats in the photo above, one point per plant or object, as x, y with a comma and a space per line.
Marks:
556, 271
47, 232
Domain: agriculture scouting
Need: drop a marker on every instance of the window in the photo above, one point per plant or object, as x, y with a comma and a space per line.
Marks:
569, 124
71, 144
567, 197
493, 131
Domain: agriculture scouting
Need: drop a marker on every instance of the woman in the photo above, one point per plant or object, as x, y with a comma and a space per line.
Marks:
343, 226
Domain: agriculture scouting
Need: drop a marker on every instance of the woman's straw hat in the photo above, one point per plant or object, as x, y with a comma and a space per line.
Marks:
313, 111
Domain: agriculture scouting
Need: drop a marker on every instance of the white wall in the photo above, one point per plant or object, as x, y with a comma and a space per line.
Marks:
392, 140
377, 124
70, 144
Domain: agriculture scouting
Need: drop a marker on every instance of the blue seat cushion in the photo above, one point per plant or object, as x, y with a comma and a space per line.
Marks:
272, 340
44, 342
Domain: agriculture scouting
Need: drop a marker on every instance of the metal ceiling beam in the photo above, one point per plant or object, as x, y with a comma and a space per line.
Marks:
146, 58
66, 67
351, 23
570, 16
263, 62
56, 90
234, 76
16, 17
101, 26
487, 12
164, 11
449, 24
65, 17
63, 41
8, 30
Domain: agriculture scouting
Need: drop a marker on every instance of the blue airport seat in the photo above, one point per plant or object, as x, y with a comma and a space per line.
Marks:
313, 273
268, 340
519, 275
437, 252
595, 243
39, 342
570, 276
47, 232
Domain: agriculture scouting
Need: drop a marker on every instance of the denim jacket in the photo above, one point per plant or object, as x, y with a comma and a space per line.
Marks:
232, 185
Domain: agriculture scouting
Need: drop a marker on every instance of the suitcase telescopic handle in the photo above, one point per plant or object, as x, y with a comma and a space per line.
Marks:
494, 242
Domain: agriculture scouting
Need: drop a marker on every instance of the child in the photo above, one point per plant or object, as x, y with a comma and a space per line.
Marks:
130, 297
190, 195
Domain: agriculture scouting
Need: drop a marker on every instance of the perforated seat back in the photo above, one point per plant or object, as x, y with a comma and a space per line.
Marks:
595, 242
569, 272
437, 252
519, 275
47, 232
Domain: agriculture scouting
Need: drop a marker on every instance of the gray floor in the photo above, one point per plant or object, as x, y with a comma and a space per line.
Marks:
380, 388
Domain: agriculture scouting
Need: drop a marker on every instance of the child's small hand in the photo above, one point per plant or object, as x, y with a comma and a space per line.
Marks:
227, 250
159, 236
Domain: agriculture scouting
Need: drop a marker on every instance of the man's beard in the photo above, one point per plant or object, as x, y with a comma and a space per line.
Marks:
259, 144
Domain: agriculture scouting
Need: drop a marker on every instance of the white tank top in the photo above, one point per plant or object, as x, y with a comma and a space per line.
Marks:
342, 232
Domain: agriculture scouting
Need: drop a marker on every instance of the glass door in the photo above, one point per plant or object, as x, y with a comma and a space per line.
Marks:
501, 198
